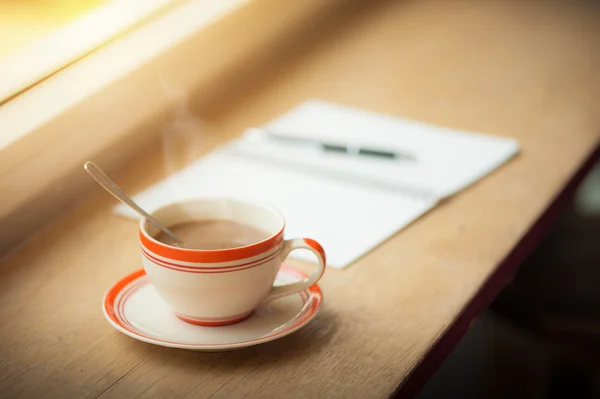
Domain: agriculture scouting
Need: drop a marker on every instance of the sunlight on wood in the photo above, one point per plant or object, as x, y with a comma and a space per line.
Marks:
23, 22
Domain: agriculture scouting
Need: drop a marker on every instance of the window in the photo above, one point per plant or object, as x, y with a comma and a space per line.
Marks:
40, 37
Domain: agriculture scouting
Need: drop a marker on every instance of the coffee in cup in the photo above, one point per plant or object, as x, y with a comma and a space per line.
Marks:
213, 234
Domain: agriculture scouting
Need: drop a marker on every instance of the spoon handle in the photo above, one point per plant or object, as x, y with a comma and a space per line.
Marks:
115, 190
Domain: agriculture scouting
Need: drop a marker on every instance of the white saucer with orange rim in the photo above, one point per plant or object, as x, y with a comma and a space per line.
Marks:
133, 307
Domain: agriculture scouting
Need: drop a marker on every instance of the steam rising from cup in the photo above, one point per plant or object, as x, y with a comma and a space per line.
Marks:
184, 135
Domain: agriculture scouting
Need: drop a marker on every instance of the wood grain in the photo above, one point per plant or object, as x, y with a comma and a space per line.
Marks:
521, 69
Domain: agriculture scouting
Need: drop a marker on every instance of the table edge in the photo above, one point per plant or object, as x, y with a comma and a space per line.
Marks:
503, 273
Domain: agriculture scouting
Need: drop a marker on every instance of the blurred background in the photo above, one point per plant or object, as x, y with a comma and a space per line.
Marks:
541, 336
26, 27
24, 22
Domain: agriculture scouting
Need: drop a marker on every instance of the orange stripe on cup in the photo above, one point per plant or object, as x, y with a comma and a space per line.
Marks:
209, 256
209, 270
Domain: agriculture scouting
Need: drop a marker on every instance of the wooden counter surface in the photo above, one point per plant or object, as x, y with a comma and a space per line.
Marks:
527, 70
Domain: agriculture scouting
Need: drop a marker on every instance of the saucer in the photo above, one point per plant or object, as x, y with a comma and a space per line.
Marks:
133, 307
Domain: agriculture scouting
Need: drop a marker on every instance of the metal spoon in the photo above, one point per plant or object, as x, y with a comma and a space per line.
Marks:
115, 190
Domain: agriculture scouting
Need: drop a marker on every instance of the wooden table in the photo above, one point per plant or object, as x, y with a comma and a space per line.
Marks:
522, 69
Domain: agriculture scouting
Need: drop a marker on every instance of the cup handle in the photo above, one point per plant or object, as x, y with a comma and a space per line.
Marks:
289, 246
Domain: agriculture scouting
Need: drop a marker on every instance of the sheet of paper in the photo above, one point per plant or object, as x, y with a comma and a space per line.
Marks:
349, 204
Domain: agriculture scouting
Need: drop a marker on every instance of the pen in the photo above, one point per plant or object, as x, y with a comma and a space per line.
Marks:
340, 148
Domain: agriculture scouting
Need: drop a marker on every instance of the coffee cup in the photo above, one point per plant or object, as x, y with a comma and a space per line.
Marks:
215, 287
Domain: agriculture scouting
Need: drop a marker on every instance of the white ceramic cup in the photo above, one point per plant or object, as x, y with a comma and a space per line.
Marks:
222, 286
